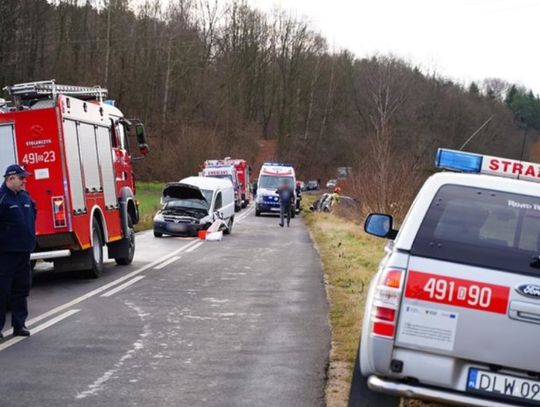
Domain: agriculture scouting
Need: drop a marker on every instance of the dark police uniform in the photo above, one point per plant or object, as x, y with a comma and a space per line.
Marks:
17, 241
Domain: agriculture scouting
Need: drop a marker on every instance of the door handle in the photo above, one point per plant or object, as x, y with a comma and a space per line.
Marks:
524, 311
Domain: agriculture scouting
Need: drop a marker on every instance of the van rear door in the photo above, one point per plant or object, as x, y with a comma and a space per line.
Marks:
472, 288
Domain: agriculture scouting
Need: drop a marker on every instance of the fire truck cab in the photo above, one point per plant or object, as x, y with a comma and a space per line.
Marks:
77, 147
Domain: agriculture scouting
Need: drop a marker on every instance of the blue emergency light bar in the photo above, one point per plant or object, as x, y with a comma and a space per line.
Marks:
458, 161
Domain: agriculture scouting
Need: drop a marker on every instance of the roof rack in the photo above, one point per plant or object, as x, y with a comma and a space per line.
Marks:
49, 89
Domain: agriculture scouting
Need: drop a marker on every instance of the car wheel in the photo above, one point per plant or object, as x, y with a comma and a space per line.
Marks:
128, 258
96, 251
157, 234
228, 229
257, 212
362, 396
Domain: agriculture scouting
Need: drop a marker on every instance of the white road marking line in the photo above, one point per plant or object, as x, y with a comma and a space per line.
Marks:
195, 247
166, 263
106, 286
121, 287
246, 214
39, 328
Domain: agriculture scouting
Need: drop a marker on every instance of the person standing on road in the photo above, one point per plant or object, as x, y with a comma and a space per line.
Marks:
286, 197
17, 241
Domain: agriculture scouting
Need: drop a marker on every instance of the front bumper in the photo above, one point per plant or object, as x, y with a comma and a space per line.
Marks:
178, 229
266, 207
378, 384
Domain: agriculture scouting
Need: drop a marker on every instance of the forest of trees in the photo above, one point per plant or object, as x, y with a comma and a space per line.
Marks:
211, 79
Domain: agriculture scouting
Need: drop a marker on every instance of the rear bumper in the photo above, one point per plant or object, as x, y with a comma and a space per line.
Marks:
54, 254
405, 390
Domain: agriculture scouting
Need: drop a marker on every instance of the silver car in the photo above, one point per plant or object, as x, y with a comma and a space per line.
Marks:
453, 312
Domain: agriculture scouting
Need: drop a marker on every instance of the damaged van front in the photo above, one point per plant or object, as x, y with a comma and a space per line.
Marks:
185, 210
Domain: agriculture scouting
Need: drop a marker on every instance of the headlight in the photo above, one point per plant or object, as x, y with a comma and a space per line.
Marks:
158, 217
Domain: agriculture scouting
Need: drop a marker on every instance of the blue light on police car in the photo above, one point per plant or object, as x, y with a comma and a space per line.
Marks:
458, 160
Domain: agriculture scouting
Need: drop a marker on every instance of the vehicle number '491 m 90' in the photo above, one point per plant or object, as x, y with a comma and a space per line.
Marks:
457, 292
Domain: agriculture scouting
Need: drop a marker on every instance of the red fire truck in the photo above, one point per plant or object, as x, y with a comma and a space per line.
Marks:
243, 170
76, 145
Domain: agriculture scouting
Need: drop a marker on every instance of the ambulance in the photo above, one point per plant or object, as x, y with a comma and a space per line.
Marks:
221, 169
270, 178
76, 144
453, 312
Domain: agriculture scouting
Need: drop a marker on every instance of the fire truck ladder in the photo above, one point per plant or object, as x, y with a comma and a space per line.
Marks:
49, 89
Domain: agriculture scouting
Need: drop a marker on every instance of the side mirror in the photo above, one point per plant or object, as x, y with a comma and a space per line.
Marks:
380, 225
137, 127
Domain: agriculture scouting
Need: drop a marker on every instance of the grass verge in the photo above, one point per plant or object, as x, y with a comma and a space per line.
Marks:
148, 194
350, 258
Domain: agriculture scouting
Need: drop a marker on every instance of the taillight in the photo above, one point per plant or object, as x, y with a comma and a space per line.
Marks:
59, 211
386, 302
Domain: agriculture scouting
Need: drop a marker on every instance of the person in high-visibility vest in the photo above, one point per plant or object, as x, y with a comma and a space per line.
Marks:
334, 198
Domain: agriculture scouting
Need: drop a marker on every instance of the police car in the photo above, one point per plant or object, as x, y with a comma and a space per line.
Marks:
453, 312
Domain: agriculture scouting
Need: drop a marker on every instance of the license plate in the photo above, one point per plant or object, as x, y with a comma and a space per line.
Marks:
505, 386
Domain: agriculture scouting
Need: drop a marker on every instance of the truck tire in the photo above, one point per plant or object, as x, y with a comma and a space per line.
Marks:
96, 251
228, 229
128, 258
362, 396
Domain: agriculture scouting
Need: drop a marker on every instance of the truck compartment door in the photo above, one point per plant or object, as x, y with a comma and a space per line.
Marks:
104, 150
73, 159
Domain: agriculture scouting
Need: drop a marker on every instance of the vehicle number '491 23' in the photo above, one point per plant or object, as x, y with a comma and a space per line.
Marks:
41, 157
458, 292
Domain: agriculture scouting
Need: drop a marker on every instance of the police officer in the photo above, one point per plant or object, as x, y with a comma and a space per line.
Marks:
17, 240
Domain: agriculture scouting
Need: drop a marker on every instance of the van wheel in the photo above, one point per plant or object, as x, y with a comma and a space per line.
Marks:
157, 234
228, 229
124, 261
293, 212
362, 396
96, 251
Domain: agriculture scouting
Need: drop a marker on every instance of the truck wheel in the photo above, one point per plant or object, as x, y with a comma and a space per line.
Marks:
362, 396
228, 229
96, 251
157, 234
128, 259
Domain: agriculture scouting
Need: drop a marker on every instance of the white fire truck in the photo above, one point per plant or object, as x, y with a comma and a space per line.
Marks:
75, 144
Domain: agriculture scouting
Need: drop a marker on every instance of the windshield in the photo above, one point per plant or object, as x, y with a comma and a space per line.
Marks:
207, 193
272, 182
186, 204
482, 227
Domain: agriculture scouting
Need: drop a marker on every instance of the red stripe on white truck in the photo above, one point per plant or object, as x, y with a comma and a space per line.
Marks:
457, 292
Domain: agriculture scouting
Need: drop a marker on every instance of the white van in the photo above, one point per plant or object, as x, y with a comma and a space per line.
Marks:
193, 204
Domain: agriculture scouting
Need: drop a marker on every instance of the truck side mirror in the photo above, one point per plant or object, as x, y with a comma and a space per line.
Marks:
380, 225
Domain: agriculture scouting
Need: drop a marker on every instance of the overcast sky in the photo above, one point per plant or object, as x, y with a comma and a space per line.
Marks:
464, 40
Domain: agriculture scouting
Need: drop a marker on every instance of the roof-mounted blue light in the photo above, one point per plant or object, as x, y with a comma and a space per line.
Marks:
458, 161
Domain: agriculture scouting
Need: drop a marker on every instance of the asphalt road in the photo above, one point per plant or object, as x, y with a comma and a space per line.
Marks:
241, 322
